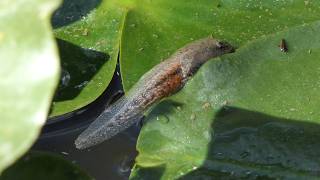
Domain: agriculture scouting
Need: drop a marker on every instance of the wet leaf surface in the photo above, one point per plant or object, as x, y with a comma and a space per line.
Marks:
250, 114
155, 29
88, 36
149, 31
236, 100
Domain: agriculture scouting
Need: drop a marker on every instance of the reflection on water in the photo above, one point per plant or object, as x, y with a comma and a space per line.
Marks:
125, 165
65, 78
112, 159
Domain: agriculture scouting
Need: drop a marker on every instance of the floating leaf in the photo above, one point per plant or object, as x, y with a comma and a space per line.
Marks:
154, 29
88, 35
29, 74
250, 114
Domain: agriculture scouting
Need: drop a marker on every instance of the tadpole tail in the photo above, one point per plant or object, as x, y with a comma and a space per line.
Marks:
112, 121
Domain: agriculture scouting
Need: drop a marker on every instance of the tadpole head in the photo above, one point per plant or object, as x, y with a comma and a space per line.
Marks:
225, 47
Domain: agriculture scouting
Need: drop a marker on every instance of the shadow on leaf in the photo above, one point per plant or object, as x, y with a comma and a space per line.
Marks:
253, 145
71, 11
79, 66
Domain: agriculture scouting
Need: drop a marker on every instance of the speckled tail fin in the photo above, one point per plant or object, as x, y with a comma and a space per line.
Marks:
108, 124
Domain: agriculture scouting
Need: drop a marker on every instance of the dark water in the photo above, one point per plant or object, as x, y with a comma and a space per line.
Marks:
112, 159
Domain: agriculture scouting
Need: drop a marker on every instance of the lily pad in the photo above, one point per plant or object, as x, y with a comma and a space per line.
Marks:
29, 71
88, 35
40, 165
154, 29
250, 114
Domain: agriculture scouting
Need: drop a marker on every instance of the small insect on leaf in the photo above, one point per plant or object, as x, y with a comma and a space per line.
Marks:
283, 46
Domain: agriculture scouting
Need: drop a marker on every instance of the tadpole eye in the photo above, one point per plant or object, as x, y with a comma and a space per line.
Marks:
224, 46
221, 45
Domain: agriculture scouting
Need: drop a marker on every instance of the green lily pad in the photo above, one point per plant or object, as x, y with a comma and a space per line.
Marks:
29, 74
88, 35
40, 165
251, 114
154, 29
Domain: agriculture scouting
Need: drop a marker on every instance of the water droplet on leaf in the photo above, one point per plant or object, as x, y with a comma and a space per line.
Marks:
85, 32
193, 117
206, 105
132, 25
141, 49
82, 85
163, 119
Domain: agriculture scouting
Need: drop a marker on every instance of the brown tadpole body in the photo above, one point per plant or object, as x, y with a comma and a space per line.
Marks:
161, 81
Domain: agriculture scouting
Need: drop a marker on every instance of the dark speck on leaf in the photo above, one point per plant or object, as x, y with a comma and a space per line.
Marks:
283, 46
